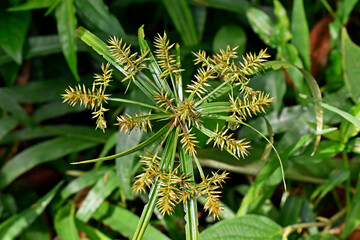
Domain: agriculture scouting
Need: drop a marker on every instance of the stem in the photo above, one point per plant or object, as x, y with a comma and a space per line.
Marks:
136, 103
347, 184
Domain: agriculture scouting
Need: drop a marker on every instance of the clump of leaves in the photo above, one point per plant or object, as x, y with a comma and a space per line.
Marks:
180, 110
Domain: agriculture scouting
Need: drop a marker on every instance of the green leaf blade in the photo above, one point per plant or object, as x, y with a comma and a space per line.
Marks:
66, 24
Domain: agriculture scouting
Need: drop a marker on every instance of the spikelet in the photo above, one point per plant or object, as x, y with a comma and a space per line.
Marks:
209, 188
131, 61
237, 147
253, 63
151, 170
167, 60
162, 100
186, 111
248, 107
200, 85
189, 142
139, 121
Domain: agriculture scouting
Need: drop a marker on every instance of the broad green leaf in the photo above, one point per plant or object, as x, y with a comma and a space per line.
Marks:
40, 153
239, 6
6, 124
143, 83
8, 103
14, 26
64, 223
351, 65
232, 35
314, 88
97, 13
145, 143
91, 232
353, 213
102, 189
180, 14
13, 226
249, 227
261, 24
31, 4
266, 181
341, 17
124, 222
282, 23
66, 25
290, 212
275, 84
300, 32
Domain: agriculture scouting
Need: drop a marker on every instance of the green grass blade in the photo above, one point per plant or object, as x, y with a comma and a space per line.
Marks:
167, 158
314, 88
300, 32
66, 25
14, 27
353, 213
190, 207
180, 13
86, 180
350, 63
102, 189
91, 232
31, 5
6, 124
347, 116
97, 13
161, 132
268, 179
143, 82
64, 223
238, 6
40, 153
8, 103
13, 226
124, 221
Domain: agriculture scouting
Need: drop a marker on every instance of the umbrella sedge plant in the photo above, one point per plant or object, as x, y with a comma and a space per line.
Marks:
168, 170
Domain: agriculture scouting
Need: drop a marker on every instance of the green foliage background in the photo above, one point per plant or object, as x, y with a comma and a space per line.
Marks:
43, 196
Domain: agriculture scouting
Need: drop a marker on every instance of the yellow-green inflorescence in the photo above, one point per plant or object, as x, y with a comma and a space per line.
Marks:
184, 110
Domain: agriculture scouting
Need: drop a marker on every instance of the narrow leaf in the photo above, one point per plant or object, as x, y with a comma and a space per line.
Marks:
8, 103
66, 25
180, 13
300, 32
65, 224
30, 5
14, 26
315, 91
91, 232
102, 189
353, 213
124, 222
13, 226
40, 153
351, 65
97, 12
147, 142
